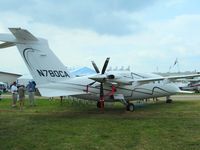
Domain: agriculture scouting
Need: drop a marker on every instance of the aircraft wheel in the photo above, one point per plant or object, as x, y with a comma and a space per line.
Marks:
169, 101
130, 107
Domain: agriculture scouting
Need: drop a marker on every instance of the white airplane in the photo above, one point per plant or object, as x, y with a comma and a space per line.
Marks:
53, 79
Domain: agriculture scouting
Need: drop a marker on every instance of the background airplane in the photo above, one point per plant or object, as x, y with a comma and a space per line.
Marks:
53, 79
192, 85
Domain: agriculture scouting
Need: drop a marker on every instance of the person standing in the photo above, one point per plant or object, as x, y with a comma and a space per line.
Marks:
0, 95
21, 92
14, 94
31, 92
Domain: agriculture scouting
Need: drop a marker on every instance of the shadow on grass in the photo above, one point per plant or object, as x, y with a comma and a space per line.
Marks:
46, 109
142, 110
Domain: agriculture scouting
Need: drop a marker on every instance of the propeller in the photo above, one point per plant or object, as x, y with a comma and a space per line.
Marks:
101, 85
95, 67
105, 65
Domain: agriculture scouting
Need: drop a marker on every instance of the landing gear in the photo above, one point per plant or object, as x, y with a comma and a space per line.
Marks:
98, 104
130, 107
168, 99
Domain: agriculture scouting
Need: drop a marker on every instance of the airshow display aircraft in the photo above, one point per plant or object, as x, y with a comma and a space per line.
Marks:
193, 85
53, 79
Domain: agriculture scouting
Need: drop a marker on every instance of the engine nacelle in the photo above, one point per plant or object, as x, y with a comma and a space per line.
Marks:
112, 79
111, 76
119, 79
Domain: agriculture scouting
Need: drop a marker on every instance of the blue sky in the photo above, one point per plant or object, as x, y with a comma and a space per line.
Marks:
142, 34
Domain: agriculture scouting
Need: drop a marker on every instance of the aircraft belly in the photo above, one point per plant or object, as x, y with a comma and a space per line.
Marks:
145, 91
93, 97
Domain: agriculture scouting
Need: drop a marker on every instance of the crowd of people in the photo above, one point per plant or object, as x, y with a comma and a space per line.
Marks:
18, 93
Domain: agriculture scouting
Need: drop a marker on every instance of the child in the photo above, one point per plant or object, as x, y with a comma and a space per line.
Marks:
21, 92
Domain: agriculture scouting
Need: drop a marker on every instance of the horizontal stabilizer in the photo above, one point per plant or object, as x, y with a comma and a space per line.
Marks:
7, 44
22, 34
7, 38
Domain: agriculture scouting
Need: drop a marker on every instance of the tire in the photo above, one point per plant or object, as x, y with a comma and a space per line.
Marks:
130, 107
169, 101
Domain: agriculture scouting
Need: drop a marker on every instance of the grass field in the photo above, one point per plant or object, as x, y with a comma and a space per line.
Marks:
51, 125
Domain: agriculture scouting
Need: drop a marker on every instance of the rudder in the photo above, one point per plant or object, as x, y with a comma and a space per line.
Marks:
42, 63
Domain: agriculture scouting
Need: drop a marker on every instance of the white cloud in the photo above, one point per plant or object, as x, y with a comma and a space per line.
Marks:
102, 16
160, 42
174, 3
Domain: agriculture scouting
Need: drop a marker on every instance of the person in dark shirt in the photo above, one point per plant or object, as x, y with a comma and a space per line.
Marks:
31, 92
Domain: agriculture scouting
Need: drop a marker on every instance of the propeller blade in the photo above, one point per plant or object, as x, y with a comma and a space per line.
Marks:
101, 85
105, 65
95, 67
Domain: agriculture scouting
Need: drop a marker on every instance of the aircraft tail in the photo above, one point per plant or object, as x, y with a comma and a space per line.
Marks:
42, 63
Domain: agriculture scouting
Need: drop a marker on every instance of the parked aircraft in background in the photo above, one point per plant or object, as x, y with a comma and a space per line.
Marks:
193, 85
53, 79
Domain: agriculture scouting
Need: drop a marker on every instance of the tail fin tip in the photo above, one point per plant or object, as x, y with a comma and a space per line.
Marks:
22, 34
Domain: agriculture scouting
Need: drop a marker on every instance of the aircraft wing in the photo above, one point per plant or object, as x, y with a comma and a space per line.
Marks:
169, 78
112, 79
183, 76
150, 79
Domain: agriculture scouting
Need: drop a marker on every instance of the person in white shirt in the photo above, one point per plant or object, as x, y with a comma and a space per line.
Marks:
14, 94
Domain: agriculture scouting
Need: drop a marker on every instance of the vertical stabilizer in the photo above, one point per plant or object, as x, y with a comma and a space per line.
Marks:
42, 63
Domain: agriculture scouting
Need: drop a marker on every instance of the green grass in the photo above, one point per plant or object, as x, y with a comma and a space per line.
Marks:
51, 125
